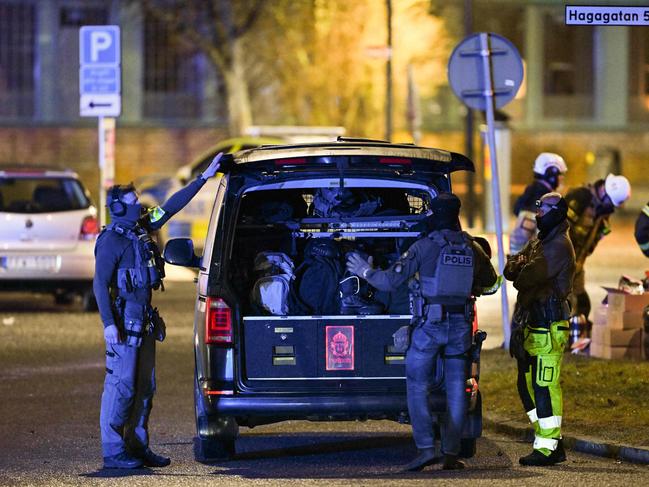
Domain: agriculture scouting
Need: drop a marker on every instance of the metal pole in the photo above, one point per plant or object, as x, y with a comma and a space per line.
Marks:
468, 129
485, 49
388, 76
101, 206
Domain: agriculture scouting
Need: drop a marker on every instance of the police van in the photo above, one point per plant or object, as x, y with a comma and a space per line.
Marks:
279, 338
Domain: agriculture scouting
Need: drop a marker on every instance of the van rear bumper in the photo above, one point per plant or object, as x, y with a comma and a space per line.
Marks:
304, 407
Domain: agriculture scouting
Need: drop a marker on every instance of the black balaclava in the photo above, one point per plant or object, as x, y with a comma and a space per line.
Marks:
133, 212
551, 177
445, 213
552, 218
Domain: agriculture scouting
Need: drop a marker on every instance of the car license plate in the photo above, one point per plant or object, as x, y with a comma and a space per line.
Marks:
29, 262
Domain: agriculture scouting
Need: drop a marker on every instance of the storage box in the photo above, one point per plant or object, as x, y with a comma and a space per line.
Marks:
624, 311
607, 352
600, 315
603, 335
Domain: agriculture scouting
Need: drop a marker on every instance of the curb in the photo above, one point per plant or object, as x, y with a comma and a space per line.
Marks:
591, 446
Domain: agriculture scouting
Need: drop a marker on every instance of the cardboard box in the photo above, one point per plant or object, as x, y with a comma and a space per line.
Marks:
603, 351
621, 305
600, 315
605, 336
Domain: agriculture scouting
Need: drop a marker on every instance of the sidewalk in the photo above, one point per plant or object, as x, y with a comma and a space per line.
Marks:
583, 444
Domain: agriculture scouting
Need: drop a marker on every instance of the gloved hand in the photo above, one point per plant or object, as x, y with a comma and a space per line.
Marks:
213, 167
111, 335
357, 265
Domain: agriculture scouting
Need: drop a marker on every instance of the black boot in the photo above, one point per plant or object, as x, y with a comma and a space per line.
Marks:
122, 460
425, 457
538, 459
451, 462
560, 452
150, 459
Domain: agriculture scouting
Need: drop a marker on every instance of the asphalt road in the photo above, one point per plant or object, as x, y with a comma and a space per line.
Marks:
51, 371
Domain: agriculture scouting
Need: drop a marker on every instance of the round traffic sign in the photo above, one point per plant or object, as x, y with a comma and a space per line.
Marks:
466, 70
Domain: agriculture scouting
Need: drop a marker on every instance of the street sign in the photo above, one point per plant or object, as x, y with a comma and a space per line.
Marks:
485, 71
99, 71
465, 69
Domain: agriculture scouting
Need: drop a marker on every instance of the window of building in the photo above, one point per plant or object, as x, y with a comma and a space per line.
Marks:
639, 75
17, 55
172, 75
567, 68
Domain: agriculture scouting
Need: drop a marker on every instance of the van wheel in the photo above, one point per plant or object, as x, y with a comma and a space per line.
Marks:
207, 450
88, 301
467, 447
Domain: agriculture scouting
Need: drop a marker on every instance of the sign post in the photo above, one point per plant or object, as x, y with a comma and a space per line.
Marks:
485, 71
100, 95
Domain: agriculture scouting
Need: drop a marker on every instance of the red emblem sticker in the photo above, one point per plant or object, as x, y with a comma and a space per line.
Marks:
340, 347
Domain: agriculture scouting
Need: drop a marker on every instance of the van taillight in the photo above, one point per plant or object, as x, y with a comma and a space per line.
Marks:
89, 228
218, 322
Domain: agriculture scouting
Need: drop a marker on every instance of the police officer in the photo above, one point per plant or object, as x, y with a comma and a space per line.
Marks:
127, 267
589, 209
543, 272
450, 269
549, 169
642, 230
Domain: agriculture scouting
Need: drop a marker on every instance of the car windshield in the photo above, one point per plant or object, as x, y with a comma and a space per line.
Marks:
41, 195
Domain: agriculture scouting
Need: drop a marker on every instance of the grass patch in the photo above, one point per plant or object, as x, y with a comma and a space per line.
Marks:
606, 399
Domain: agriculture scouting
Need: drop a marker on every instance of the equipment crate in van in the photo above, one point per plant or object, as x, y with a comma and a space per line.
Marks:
253, 367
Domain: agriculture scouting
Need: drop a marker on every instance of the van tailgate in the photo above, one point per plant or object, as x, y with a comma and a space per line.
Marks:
321, 352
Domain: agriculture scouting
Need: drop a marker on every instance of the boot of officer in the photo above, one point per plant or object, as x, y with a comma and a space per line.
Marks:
543, 275
441, 326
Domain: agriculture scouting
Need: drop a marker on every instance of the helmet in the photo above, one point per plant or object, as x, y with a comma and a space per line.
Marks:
549, 166
617, 188
546, 160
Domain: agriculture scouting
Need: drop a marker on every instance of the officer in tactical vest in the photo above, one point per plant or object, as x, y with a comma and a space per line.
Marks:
589, 209
542, 273
128, 266
448, 268
549, 169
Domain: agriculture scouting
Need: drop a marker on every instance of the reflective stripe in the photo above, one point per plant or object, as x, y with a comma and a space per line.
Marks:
495, 287
155, 214
644, 246
550, 422
533, 416
645, 210
549, 443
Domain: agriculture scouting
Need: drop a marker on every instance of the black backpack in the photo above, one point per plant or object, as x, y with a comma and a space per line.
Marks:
315, 289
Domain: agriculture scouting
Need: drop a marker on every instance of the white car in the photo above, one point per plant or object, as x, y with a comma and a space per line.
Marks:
48, 228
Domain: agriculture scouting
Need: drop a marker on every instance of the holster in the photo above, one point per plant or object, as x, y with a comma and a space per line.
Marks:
134, 323
158, 326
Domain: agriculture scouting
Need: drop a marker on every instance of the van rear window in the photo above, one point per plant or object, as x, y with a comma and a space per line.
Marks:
41, 195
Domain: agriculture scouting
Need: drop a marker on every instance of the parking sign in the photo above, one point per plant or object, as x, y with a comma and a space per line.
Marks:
100, 71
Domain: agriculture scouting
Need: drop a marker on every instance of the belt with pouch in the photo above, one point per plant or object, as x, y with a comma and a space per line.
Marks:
441, 311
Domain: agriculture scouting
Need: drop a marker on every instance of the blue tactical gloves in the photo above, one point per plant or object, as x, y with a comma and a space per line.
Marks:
359, 266
111, 335
213, 167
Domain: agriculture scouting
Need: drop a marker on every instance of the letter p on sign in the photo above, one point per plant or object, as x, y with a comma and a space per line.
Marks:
99, 41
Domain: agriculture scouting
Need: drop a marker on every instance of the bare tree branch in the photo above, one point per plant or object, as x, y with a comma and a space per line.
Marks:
250, 19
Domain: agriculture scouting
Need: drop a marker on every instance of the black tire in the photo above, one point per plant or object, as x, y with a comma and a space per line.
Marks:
88, 301
209, 450
215, 435
467, 447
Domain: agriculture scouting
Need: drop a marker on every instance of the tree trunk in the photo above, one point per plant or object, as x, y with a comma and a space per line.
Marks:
236, 87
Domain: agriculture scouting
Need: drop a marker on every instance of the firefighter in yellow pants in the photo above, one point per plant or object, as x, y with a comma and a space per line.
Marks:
543, 273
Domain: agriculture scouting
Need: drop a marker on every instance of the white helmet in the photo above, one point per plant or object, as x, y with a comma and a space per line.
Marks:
546, 160
617, 188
